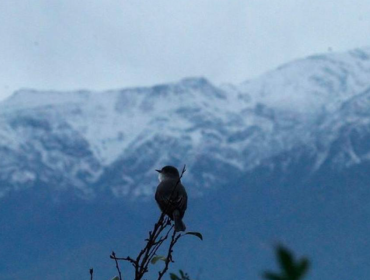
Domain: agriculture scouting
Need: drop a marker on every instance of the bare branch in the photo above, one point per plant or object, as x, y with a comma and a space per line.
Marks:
169, 258
117, 266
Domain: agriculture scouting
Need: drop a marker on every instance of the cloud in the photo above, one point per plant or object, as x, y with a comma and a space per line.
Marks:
116, 43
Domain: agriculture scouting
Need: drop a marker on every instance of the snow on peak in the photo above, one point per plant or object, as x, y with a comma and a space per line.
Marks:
111, 120
320, 82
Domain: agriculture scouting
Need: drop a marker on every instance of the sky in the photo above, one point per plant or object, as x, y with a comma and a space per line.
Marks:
106, 44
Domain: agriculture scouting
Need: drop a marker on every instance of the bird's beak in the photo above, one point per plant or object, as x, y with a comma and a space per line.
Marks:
159, 171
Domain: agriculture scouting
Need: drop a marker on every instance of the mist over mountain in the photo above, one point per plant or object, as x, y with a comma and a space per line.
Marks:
284, 157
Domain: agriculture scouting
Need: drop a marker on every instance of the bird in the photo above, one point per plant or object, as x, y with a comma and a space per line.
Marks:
171, 196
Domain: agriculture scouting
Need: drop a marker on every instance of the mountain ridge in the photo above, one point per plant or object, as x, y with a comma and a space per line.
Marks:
109, 140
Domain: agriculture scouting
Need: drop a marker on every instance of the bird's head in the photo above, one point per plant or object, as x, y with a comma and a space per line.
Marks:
168, 172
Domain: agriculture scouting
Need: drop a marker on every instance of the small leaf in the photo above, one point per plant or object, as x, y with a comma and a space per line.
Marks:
182, 273
197, 234
115, 278
174, 276
158, 258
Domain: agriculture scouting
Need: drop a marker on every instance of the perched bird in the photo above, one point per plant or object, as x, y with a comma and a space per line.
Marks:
171, 198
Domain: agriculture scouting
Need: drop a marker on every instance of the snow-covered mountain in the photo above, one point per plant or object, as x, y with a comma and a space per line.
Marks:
106, 142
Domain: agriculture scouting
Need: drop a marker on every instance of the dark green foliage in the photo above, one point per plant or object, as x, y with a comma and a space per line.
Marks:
158, 258
182, 276
290, 269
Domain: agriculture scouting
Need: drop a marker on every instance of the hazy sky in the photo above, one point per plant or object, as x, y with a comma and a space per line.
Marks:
101, 44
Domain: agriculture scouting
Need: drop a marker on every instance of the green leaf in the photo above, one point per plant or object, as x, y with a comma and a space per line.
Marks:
174, 276
197, 234
158, 258
182, 274
115, 278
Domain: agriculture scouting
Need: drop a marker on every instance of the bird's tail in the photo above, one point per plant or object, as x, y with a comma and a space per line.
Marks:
179, 224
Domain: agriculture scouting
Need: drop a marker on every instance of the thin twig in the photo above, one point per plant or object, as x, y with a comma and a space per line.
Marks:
117, 266
177, 183
169, 259
154, 250
143, 259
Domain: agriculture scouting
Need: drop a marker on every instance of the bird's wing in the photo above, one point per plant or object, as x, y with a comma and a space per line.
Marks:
182, 202
169, 199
